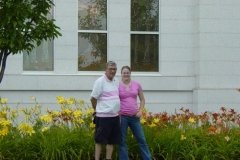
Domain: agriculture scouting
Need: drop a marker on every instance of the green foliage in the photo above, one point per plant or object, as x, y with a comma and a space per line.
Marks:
198, 145
62, 143
25, 23
67, 134
56, 143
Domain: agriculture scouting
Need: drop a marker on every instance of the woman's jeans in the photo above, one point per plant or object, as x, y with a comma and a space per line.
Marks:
134, 123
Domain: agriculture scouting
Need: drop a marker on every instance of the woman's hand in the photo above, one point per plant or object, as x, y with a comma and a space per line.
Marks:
139, 113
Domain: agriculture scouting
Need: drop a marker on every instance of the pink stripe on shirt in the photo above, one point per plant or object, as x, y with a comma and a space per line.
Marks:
109, 95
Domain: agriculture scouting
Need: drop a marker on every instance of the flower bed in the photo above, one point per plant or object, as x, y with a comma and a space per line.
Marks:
67, 133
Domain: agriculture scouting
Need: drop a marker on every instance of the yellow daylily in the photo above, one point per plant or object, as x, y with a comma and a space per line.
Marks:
81, 102
3, 100
92, 125
156, 120
55, 113
77, 114
61, 100
89, 111
80, 121
227, 138
67, 111
152, 125
13, 114
191, 120
71, 101
4, 122
4, 131
3, 114
46, 118
44, 129
26, 129
143, 120
183, 137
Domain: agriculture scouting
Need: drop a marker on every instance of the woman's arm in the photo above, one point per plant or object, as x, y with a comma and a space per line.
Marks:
142, 103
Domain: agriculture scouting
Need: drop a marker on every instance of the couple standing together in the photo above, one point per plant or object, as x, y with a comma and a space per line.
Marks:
116, 109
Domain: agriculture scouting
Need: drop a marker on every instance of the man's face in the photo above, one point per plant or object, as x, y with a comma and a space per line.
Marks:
111, 71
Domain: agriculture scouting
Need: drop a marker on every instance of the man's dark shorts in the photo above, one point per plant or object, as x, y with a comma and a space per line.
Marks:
107, 130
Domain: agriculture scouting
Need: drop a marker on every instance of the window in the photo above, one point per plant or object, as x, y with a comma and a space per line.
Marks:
145, 35
41, 57
92, 35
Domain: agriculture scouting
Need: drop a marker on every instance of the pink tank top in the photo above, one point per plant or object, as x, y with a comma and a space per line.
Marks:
128, 98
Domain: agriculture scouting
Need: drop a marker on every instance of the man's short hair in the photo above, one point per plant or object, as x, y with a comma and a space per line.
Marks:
111, 63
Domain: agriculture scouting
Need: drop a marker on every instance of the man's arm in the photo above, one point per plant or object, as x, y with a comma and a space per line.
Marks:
94, 103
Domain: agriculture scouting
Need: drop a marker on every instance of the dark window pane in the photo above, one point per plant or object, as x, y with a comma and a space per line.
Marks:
92, 14
144, 15
40, 58
144, 52
92, 51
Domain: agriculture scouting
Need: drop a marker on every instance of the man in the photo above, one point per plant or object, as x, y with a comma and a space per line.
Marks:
106, 103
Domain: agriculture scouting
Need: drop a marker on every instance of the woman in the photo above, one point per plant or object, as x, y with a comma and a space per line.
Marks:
130, 113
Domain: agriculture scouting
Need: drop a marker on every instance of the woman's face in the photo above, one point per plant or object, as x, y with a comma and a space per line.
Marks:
126, 74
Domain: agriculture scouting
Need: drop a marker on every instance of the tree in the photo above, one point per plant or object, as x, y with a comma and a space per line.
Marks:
24, 24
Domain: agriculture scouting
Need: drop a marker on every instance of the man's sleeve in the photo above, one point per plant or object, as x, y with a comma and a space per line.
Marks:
97, 89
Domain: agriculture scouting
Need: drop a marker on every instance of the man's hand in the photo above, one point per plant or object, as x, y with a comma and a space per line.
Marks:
94, 117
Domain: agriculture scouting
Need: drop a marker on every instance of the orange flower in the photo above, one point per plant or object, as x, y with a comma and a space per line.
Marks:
212, 129
164, 117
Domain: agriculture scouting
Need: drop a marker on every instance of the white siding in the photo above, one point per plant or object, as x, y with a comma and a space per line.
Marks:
199, 57
218, 60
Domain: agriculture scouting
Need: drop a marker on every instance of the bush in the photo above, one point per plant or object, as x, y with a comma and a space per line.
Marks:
67, 133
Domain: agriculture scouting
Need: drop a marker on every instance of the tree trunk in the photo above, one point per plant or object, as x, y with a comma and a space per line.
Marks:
3, 59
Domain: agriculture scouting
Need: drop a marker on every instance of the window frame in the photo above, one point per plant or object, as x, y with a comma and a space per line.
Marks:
93, 72
43, 72
148, 73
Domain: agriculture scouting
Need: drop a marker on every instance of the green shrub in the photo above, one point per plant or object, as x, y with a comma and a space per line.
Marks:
67, 134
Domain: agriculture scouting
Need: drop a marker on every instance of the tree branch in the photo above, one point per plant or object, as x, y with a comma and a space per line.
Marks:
1, 56
3, 63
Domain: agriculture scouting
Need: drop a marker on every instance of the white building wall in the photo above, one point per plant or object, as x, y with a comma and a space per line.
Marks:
199, 57
218, 60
